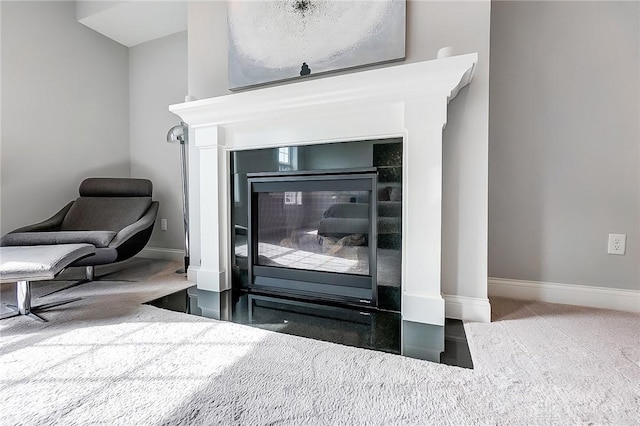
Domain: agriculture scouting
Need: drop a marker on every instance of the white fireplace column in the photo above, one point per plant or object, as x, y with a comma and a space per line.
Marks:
408, 101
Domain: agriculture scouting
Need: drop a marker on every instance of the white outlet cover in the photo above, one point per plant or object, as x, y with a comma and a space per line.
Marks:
617, 244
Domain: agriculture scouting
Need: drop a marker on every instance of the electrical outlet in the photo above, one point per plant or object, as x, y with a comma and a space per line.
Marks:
163, 224
617, 243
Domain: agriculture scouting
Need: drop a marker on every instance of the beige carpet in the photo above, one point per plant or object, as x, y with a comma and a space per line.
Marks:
110, 360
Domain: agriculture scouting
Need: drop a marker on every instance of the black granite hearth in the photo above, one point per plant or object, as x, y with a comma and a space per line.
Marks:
375, 329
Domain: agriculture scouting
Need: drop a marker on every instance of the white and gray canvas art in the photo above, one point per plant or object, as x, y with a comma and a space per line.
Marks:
276, 40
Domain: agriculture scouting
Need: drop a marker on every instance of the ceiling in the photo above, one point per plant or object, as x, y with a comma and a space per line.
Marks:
135, 21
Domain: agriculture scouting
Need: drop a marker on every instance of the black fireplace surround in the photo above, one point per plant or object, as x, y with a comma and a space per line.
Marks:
321, 223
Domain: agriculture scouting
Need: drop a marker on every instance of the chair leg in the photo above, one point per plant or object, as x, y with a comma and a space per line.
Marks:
89, 276
89, 272
6, 315
23, 305
23, 293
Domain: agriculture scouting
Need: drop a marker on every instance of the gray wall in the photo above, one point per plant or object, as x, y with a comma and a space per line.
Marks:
430, 26
65, 109
564, 142
158, 78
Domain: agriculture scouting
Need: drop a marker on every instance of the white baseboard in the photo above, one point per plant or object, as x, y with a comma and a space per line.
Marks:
467, 308
162, 253
568, 294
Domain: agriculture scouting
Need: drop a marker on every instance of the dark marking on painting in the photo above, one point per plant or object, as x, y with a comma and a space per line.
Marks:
305, 70
302, 5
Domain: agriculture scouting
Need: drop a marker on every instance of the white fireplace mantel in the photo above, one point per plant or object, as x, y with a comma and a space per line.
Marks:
408, 101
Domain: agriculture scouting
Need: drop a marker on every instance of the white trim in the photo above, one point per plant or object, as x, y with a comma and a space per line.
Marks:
435, 78
422, 309
192, 273
467, 308
211, 280
162, 253
569, 294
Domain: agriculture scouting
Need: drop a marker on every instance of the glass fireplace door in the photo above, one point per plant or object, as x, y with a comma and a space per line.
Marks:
314, 230
313, 234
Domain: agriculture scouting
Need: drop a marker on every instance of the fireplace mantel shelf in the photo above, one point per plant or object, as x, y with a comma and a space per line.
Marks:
440, 77
408, 101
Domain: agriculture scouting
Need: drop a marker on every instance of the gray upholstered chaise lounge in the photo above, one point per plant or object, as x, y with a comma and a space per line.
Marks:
111, 221
115, 215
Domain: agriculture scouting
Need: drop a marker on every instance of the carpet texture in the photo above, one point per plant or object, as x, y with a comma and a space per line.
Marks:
108, 359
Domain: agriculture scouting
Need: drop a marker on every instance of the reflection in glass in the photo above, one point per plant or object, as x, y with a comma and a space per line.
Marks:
316, 230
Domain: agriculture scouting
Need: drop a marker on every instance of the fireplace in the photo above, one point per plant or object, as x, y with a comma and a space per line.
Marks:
407, 101
313, 233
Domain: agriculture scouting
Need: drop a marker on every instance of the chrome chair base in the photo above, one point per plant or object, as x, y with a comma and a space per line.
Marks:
89, 276
23, 305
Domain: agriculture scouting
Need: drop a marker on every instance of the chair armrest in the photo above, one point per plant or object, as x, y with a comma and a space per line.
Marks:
147, 220
51, 224
98, 239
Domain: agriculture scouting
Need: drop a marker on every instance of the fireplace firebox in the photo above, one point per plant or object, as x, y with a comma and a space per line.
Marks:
313, 234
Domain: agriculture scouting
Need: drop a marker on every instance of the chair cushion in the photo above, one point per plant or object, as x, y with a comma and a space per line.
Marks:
116, 187
104, 213
341, 226
95, 238
347, 210
37, 263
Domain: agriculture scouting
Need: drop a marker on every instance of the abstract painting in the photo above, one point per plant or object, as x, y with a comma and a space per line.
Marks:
279, 40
